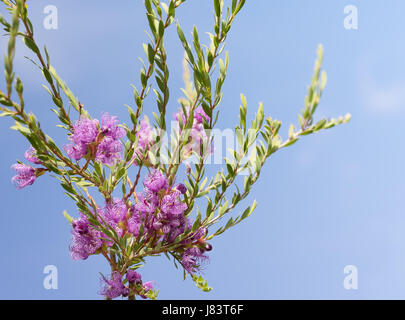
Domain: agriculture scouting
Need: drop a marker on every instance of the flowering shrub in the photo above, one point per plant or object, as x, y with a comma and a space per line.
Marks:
163, 216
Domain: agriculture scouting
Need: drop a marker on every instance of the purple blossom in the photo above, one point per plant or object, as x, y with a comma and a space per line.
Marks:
197, 235
145, 138
143, 213
85, 132
110, 147
178, 227
197, 133
147, 203
159, 213
110, 128
30, 155
198, 138
86, 240
162, 215
25, 175
134, 277
170, 220
147, 286
76, 151
148, 220
156, 181
200, 233
113, 288
134, 222
109, 151
192, 259
115, 214
182, 188
171, 204
199, 115
81, 226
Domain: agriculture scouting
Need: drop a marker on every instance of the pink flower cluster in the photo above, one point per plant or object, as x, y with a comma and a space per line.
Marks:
158, 211
91, 140
198, 135
26, 174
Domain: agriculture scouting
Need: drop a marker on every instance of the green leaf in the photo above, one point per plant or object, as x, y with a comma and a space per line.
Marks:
73, 100
31, 45
197, 221
201, 283
217, 6
68, 217
223, 208
68, 188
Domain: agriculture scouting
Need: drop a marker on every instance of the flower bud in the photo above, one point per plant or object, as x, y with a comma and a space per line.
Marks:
182, 188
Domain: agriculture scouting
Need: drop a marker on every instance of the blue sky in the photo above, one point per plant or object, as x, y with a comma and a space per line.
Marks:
331, 200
